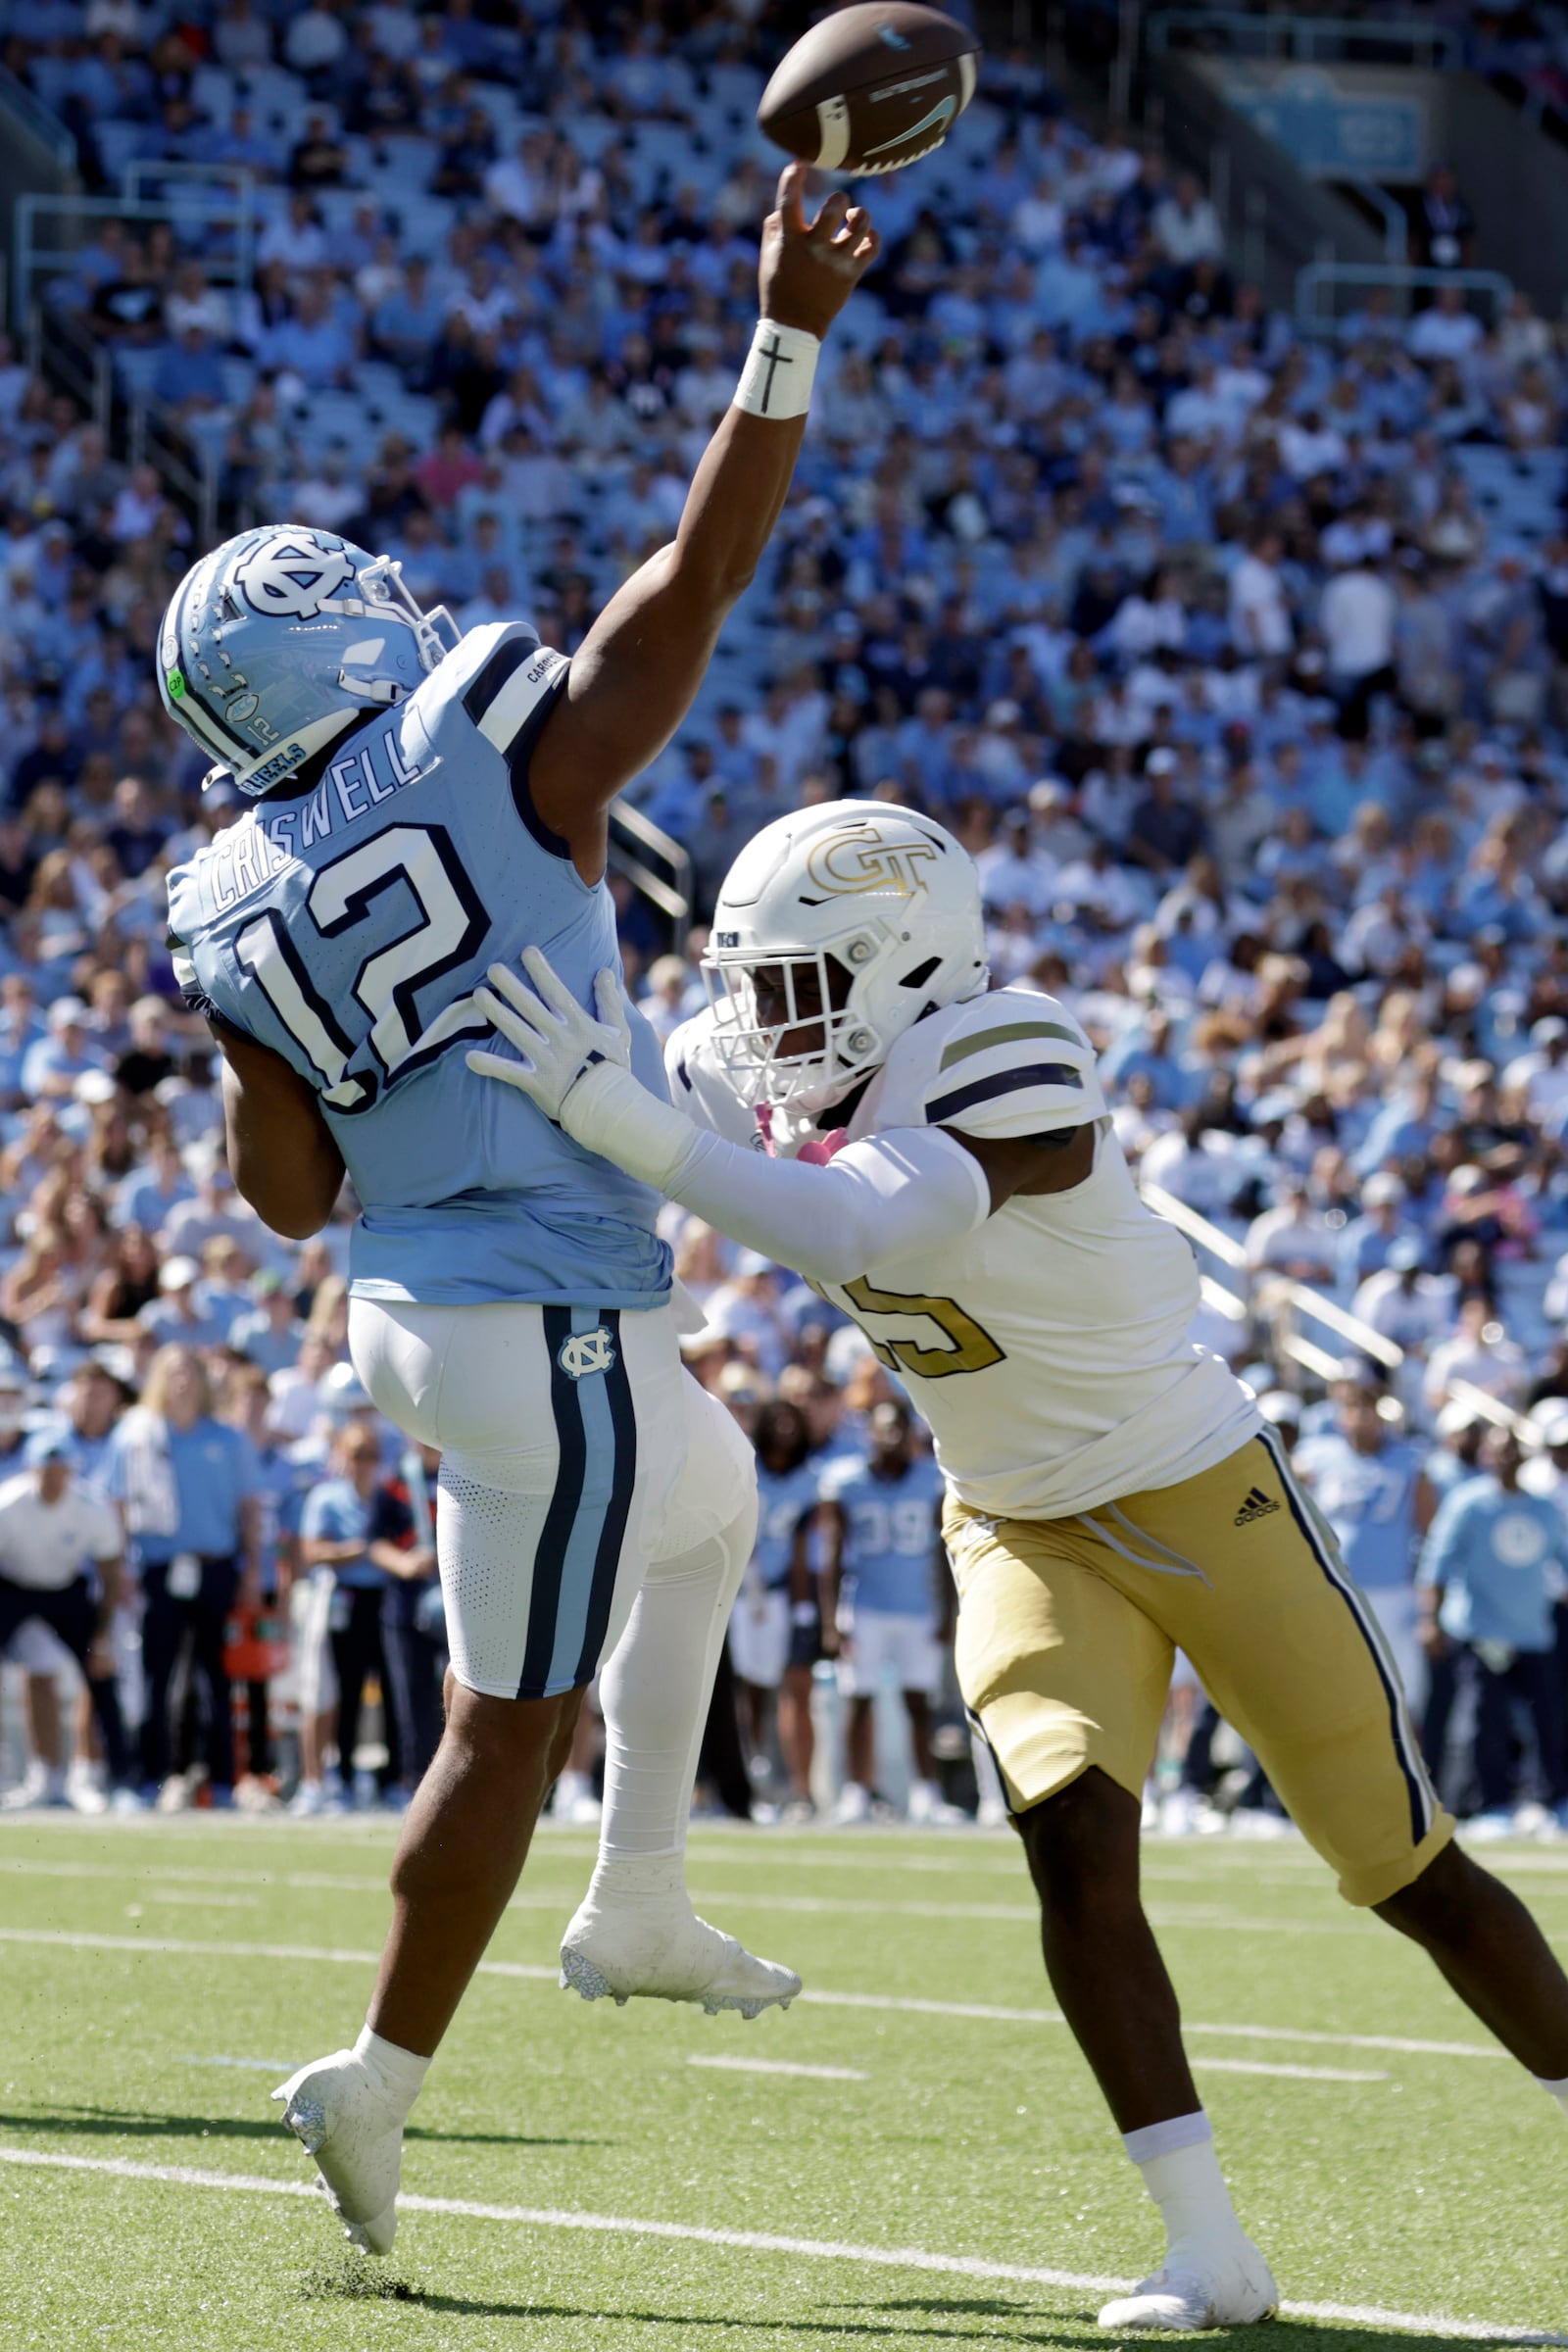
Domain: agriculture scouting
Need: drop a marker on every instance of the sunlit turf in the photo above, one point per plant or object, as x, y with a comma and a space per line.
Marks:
1402, 2182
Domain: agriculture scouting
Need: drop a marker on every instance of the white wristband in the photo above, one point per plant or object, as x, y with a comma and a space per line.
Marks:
776, 380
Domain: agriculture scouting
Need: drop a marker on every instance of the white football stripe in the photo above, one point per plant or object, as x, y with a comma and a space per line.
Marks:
254, 2066
967, 75
781, 2066
833, 125
1292, 2074
892, 2005
753, 2242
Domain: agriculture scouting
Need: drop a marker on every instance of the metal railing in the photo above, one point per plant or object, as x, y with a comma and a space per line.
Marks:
637, 849
1301, 1299
1395, 223
1402, 283
185, 185
35, 255
47, 129
81, 367
84, 369
1307, 40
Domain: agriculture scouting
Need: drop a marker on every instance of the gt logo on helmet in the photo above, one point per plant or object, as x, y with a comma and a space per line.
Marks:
288, 581
849, 864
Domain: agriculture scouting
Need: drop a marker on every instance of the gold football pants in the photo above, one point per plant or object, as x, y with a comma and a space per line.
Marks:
1068, 1628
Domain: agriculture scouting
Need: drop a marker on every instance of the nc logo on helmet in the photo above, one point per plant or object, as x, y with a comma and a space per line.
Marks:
850, 863
292, 579
586, 1352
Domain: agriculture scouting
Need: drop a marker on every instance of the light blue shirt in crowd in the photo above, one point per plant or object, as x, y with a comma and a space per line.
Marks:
336, 1513
1500, 1559
215, 1470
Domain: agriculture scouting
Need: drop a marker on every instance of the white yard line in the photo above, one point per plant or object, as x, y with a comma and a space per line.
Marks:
209, 1898
780, 2066
1292, 2074
985, 2013
250, 2066
755, 2241
1209, 1916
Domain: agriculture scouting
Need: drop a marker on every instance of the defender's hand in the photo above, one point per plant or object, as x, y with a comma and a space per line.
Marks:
547, 1026
810, 268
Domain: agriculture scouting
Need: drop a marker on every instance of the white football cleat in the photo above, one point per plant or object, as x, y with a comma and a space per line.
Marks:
1203, 2282
929, 1809
342, 2117
853, 1805
663, 1951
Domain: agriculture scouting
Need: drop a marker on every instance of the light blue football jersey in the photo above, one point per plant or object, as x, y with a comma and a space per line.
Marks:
891, 1536
784, 1498
347, 930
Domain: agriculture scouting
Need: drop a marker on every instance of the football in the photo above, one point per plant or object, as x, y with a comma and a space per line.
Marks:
872, 87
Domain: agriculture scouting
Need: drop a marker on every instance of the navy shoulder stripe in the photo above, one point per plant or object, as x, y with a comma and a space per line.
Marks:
487, 681
1005, 1082
519, 758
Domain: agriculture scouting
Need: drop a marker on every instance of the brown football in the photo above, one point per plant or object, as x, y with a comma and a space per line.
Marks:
871, 87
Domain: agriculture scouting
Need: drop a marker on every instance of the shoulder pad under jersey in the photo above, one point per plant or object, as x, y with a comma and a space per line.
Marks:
1012, 1062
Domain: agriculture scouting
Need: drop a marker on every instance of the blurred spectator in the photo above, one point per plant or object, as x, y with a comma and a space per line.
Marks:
1489, 1572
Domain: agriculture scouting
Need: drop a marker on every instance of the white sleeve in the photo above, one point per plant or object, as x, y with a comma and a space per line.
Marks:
874, 1202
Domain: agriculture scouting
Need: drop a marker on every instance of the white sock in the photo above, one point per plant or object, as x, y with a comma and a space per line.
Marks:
1181, 2173
398, 2072
1555, 2090
653, 1694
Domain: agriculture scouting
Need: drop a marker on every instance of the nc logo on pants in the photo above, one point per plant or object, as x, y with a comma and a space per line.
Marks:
586, 1352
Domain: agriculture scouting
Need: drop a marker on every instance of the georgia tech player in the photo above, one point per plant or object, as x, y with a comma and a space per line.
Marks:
1112, 1491
422, 806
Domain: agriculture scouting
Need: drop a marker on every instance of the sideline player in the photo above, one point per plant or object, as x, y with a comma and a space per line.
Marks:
775, 1625
887, 1603
423, 805
1113, 1491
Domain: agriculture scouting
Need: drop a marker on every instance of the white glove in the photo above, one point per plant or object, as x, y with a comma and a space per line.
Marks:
549, 1029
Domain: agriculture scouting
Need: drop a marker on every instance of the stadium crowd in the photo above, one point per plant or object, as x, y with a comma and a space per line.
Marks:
1198, 634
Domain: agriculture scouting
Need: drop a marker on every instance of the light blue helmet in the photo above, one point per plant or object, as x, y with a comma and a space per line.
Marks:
275, 643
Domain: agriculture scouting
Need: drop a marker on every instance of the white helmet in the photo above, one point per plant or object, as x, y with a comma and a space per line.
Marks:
870, 916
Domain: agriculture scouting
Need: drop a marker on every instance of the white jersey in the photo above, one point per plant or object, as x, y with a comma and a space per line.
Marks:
47, 1546
1049, 1349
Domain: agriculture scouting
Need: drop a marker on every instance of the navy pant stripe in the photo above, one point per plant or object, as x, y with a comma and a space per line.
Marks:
1421, 1811
564, 1502
613, 1533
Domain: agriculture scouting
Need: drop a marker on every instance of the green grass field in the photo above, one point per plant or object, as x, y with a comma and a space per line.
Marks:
940, 2171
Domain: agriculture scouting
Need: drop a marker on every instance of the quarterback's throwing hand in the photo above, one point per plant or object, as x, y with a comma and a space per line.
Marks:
550, 1030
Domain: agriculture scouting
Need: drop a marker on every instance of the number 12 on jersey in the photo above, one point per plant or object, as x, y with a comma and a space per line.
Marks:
449, 932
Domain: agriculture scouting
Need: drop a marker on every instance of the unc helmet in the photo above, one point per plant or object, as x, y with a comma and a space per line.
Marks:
279, 639
865, 917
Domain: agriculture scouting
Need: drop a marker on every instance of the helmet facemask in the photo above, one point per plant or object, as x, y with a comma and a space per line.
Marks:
382, 588
816, 1043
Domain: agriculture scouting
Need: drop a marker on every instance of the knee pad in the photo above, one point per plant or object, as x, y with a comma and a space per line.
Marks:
719, 1482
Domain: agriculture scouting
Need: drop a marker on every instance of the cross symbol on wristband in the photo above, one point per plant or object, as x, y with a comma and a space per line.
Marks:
777, 356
